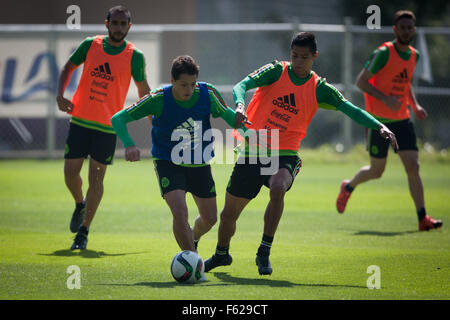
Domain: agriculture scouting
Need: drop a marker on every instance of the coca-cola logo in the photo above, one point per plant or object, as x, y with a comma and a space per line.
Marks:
282, 116
100, 84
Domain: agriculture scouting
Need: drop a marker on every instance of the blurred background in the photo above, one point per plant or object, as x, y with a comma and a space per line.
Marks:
229, 39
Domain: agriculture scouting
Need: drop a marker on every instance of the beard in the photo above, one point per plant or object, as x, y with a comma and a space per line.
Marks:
403, 40
117, 36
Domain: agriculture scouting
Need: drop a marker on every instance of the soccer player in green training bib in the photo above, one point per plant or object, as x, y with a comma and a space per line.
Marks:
181, 110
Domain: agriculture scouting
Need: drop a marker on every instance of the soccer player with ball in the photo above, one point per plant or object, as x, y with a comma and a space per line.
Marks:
180, 110
288, 96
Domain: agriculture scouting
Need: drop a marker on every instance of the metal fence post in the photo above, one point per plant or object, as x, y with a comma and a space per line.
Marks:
51, 117
296, 28
347, 75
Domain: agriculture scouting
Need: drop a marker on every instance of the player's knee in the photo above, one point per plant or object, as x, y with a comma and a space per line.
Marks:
277, 191
180, 215
412, 168
228, 216
377, 172
70, 172
210, 220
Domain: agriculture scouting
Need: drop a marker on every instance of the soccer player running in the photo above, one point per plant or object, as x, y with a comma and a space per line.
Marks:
109, 63
287, 97
181, 110
386, 83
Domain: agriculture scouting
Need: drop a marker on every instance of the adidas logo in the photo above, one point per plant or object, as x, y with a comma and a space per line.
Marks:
286, 102
193, 127
103, 71
402, 77
189, 125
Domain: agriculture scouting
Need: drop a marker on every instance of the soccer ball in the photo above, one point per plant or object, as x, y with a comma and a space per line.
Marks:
187, 267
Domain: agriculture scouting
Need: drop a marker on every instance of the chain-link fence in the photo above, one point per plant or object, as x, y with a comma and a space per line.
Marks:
32, 56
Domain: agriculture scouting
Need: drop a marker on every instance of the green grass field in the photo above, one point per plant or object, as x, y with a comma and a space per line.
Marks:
317, 253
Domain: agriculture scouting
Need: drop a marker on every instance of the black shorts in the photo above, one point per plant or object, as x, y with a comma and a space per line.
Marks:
82, 142
196, 180
404, 132
247, 178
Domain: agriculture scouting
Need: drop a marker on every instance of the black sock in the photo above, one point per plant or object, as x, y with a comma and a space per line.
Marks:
196, 243
84, 230
264, 247
222, 251
80, 205
349, 188
421, 213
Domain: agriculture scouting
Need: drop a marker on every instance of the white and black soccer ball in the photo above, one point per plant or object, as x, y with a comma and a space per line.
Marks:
187, 267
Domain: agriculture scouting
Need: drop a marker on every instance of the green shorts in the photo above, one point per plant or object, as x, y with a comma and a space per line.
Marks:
248, 178
196, 180
82, 142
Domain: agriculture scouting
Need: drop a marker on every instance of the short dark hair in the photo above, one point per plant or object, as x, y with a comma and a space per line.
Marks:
305, 39
184, 64
118, 9
404, 14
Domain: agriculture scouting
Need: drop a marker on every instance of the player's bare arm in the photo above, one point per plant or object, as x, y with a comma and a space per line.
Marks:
363, 83
64, 104
143, 88
420, 112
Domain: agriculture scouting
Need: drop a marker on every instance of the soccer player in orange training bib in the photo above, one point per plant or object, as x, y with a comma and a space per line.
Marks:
109, 64
287, 98
386, 83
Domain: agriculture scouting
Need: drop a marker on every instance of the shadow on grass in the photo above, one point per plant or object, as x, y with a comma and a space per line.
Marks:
85, 253
382, 233
227, 280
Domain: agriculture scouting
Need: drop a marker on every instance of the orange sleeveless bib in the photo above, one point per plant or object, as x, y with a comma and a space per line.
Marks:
104, 83
394, 79
284, 106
